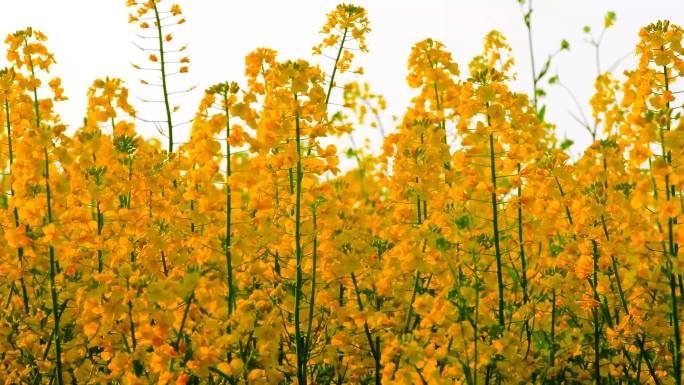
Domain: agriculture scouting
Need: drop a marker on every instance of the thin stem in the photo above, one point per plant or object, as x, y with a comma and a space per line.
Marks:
229, 209
176, 345
552, 352
673, 250
299, 340
528, 24
495, 224
163, 77
131, 324
51, 250
312, 296
374, 347
334, 72
20, 249
475, 324
413, 298
594, 310
521, 243
100, 222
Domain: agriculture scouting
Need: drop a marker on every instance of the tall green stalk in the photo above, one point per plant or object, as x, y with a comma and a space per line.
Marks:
476, 322
495, 224
53, 286
673, 248
639, 342
299, 339
521, 246
521, 242
162, 62
131, 323
374, 346
334, 71
312, 295
552, 351
100, 223
20, 249
409, 315
527, 18
438, 105
229, 209
53, 273
594, 312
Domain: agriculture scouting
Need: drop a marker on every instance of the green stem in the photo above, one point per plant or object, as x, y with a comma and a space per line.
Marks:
130, 180
229, 209
613, 261
552, 352
374, 347
678, 338
312, 297
528, 24
51, 250
649, 365
568, 215
420, 219
638, 366
521, 246
53, 285
521, 242
99, 234
597, 334
334, 72
677, 347
438, 104
413, 298
179, 336
299, 340
130, 320
476, 325
495, 223
163, 76
188, 302
164, 267
332, 83
20, 250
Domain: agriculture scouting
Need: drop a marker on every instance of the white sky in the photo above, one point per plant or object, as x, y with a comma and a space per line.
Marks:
91, 39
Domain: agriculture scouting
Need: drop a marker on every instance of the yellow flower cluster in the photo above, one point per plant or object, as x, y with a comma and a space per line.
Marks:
471, 251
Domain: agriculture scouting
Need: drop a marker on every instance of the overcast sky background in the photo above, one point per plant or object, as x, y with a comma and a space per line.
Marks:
92, 39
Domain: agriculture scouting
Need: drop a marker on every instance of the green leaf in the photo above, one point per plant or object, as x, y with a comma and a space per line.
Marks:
463, 222
442, 244
542, 113
566, 144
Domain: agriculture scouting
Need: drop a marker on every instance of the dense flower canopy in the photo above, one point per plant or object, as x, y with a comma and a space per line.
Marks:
471, 250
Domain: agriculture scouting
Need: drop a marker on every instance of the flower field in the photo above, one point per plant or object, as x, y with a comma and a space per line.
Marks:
469, 249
